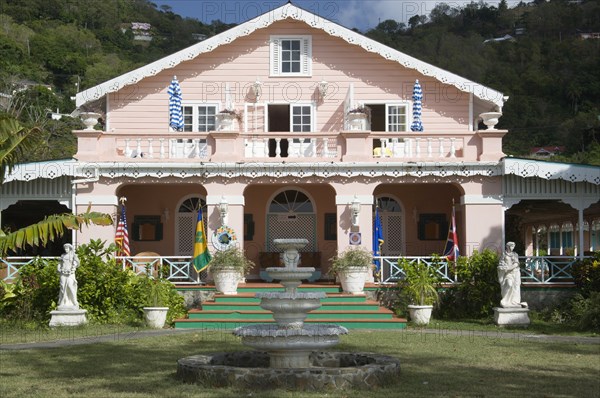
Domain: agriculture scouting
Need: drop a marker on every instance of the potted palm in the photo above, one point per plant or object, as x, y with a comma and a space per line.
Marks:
228, 267
351, 267
156, 309
420, 285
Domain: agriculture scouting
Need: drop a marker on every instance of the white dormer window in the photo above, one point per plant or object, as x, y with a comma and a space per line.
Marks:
291, 55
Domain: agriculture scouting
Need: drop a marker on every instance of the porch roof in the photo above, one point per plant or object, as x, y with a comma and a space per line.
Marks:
486, 94
551, 170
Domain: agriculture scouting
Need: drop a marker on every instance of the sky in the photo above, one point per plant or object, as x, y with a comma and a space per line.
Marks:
363, 15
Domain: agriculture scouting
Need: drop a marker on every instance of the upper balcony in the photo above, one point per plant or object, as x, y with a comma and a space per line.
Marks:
355, 144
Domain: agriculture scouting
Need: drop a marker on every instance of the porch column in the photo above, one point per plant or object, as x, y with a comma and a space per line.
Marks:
580, 204
483, 222
346, 231
235, 214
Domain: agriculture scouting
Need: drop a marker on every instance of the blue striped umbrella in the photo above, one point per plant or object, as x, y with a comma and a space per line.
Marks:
175, 111
417, 97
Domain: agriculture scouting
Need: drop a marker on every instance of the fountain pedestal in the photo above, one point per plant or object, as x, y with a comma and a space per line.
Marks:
290, 342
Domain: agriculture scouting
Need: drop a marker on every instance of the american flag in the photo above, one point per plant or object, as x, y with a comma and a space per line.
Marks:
122, 236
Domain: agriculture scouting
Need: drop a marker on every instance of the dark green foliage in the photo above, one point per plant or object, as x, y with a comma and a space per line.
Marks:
478, 291
586, 274
108, 293
421, 281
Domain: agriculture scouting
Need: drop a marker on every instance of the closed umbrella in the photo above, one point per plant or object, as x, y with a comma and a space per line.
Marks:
175, 111
417, 97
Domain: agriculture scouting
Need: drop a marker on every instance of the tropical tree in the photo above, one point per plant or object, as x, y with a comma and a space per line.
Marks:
15, 142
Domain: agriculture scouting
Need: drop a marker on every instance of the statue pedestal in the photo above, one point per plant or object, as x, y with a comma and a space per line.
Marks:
68, 318
511, 316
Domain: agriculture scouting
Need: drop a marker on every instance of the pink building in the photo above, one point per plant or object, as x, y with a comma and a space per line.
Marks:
298, 163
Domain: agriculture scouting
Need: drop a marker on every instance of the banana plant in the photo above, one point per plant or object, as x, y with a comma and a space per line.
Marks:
15, 142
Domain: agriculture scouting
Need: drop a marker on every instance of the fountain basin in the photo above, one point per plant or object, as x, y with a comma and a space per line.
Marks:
327, 371
290, 309
290, 348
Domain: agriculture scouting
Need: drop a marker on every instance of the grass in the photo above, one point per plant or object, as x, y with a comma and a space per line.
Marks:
437, 364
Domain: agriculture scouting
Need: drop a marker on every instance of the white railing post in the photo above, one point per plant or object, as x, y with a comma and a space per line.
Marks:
128, 150
441, 140
173, 143
452, 147
150, 149
138, 148
313, 144
278, 147
429, 148
418, 147
162, 148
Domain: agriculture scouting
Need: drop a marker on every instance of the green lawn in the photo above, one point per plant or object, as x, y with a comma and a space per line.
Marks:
433, 364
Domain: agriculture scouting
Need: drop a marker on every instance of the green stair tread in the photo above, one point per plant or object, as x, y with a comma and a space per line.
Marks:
233, 311
341, 320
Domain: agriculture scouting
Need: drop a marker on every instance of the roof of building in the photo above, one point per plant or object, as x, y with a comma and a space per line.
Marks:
281, 13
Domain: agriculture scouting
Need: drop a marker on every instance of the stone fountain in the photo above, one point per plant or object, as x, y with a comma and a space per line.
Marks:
289, 355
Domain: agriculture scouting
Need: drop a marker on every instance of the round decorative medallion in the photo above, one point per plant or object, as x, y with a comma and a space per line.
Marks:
224, 238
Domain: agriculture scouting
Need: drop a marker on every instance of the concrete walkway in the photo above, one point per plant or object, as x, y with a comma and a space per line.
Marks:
426, 333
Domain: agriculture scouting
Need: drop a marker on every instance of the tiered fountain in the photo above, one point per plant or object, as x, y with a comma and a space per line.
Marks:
289, 356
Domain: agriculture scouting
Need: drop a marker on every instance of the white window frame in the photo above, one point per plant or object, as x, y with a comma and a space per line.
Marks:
313, 114
312, 108
406, 107
305, 55
195, 114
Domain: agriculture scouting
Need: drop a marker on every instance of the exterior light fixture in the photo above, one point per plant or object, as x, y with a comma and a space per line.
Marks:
224, 210
355, 208
257, 89
323, 88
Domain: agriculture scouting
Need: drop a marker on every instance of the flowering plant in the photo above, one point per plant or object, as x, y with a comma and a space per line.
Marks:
233, 112
361, 109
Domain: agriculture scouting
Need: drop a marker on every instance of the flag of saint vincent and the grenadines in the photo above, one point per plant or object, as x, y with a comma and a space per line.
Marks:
201, 256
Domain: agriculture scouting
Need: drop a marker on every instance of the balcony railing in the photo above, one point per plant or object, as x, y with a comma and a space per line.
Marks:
179, 269
273, 146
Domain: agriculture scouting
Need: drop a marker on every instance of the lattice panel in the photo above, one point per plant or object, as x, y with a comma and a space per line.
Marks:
392, 234
187, 230
281, 226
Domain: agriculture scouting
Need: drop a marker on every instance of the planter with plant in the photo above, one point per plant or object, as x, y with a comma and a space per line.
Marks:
228, 267
420, 285
359, 117
156, 309
352, 267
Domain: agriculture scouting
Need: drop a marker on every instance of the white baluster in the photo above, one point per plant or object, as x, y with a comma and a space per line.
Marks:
452, 147
277, 147
266, 147
429, 148
162, 148
150, 149
138, 149
441, 147
127, 148
198, 151
409, 148
299, 151
313, 144
325, 151
173, 148
418, 147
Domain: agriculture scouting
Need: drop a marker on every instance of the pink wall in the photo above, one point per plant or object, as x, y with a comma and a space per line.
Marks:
143, 107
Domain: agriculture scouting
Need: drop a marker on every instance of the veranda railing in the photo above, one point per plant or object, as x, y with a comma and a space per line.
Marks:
179, 269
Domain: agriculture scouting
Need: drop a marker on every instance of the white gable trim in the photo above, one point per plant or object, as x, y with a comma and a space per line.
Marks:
290, 11
552, 171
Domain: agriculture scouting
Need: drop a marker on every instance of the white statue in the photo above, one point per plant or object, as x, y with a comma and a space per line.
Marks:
509, 276
67, 298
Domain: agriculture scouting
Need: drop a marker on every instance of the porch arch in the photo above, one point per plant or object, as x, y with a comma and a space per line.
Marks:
185, 222
393, 220
291, 213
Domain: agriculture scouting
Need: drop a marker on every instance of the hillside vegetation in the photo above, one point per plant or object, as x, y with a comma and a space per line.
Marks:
551, 75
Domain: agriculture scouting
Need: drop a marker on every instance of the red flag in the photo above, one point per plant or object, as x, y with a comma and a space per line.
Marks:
451, 251
122, 235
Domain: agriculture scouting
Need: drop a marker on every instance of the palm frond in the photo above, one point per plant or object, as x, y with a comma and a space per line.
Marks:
50, 228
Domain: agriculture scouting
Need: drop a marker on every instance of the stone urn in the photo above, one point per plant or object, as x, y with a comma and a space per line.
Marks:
357, 121
225, 121
226, 279
155, 316
90, 119
420, 314
490, 119
353, 279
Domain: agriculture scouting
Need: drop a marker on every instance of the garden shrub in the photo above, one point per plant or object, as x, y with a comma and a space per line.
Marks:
478, 292
105, 290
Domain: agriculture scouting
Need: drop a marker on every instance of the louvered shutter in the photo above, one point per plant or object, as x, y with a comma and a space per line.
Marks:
275, 57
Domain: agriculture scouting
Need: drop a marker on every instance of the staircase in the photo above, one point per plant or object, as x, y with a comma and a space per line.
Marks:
231, 311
